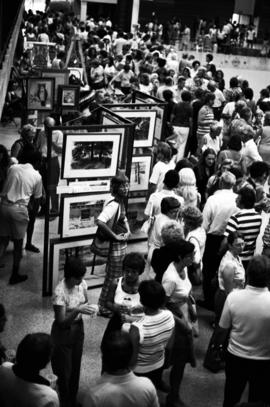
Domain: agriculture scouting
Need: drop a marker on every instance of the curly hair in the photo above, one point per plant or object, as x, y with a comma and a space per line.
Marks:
192, 217
171, 233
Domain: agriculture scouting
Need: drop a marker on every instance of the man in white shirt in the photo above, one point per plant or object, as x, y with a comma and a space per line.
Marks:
218, 209
118, 385
246, 318
171, 181
23, 181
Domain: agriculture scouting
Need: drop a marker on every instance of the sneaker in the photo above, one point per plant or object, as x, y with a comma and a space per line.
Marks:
17, 278
31, 248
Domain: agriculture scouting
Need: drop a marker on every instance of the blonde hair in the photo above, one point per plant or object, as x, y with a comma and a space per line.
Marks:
187, 185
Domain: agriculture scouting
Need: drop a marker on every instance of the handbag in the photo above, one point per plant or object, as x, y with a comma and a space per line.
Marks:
149, 223
102, 243
215, 356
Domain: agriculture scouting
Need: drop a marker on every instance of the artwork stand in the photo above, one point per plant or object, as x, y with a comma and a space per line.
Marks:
76, 48
55, 245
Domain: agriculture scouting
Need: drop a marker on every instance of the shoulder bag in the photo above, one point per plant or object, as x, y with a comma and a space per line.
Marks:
101, 243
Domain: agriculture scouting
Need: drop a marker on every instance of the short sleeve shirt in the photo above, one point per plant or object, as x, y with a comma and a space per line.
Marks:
69, 297
158, 173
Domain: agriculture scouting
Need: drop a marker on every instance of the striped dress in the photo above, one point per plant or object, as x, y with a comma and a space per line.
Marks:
154, 331
248, 223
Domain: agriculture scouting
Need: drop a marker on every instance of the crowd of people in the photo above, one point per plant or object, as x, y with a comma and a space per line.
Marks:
206, 199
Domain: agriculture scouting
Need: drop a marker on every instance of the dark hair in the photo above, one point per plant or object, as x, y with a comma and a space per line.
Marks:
234, 82
182, 248
248, 93
232, 236
152, 294
199, 93
116, 182
169, 203
117, 350
265, 93
258, 169
186, 96
168, 81
209, 96
171, 179
194, 63
34, 351
184, 163
135, 261
236, 172
247, 197
258, 271
74, 267
207, 152
235, 143
209, 57
167, 95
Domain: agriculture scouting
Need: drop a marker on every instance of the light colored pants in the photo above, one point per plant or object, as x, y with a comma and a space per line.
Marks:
181, 140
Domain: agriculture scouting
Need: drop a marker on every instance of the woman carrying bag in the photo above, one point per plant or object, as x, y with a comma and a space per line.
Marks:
114, 229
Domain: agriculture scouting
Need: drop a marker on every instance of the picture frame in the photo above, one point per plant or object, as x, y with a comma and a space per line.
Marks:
40, 93
68, 97
77, 72
145, 121
140, 173
79, 213
90, 155
60, 76
61, 249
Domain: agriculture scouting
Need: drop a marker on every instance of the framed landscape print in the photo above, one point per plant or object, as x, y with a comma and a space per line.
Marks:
62, 249
92, 155
140, 173
68, 97
60, 76
145, 121
40, 93
79, 213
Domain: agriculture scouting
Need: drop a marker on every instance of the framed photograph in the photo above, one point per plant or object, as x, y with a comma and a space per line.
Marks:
140, 173
60, 76
77, 72
68, 97
145, 121
62, 249
79, 213
40, 93
92, 155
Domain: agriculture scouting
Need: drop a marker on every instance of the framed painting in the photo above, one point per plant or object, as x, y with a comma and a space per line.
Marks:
40, 93
145, 122
60, 77
68, 97
91, 155
79, 213
140, 173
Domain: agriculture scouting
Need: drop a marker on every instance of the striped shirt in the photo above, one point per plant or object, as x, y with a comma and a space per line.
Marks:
154, 331
248, 223
205, 119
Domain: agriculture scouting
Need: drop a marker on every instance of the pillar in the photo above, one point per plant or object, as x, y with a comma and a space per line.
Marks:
83, 14
135, 14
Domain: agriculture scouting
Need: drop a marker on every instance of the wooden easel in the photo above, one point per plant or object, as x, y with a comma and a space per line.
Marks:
76, 48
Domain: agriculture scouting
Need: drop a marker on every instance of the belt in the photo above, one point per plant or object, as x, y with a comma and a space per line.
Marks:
9, 203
